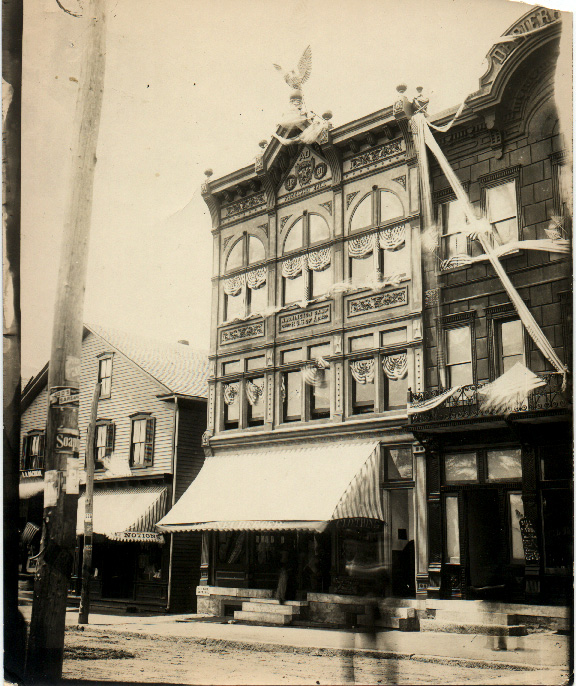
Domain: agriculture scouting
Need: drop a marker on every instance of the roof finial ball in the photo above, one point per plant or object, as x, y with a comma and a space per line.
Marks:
401, 88
208, 173
327, 115
263, 144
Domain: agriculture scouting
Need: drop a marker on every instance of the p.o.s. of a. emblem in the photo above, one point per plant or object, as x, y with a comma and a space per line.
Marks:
304, 171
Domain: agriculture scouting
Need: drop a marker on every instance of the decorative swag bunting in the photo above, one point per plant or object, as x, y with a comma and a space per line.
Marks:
319, 260
233, 285
254, 391
292, 268
256, 278
362, 246
314, 373
231, 392
363, 371
387, 239
395, 366
393, 238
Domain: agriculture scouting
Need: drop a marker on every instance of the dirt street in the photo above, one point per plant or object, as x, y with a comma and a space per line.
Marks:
96, 655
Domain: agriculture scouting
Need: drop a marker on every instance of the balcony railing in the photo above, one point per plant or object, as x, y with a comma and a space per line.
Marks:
466, 403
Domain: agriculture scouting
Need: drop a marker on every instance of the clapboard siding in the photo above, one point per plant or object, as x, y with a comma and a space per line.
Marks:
133, 390
35, 415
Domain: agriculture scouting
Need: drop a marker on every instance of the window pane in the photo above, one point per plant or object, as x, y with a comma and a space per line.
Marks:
316, 351
293, 396
235, 256
394, 336
293, 289
363, 396
453, 218
257, 300
390, 206
512, 337
232, 413
362, 269
234, 306
456, 244
460, 467
232, 367
452, 530
294, 355
506, 231
101, 436
294, 239
362, 216
256, 251
396, 393
516, 514
256, 362
396, 261
505, 464
398, 463
320, 405
361, 343
501, 202
458, 345
319, 229
256, 407
460, 374
556, 462
321, 281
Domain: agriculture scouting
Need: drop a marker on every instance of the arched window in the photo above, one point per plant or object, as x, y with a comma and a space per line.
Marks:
245, 293
362, 215
390, 207
318, 229
378, 207
256, 250
295, 236
235, 256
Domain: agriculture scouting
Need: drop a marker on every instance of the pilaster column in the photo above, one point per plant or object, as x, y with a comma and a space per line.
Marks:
420, 520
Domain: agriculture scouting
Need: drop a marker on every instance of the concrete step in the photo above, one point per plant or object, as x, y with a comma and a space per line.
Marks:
470, 628
474, 617
389, 622
270, 608
263, 617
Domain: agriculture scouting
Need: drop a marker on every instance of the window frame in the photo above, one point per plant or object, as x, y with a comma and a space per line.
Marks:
150, 428
456, 321
495, 316
500, 178
246, 266
103, 358
241, 376
376, 210
482, 479
25, 454
400, 482
109, 442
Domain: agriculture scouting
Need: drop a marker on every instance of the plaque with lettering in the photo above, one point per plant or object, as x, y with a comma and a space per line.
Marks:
241, 333
302, 318
381, 301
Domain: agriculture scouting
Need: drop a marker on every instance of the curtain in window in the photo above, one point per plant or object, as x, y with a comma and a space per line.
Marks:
362, 371
395, 366
319, 260
256, 278
231, 393
234, 284
393, 238
254, 391
293, 268
360, 247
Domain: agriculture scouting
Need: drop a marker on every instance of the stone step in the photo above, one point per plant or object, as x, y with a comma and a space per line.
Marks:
399, 612
263, 617
469, 628
268, 601
389, 622
270, 608
474, 617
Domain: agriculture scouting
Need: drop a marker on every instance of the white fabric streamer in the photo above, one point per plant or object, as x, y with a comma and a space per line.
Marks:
395, 366
430, 404
319, 260
510, 390
363, 371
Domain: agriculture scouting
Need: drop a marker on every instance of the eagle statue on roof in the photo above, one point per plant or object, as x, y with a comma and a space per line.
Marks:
297, 80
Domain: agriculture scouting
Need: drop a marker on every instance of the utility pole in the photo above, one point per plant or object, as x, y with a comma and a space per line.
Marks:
84, 609
61, 478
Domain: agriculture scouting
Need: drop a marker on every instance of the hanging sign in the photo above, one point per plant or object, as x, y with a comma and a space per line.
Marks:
72, 476
68, 441
64, 396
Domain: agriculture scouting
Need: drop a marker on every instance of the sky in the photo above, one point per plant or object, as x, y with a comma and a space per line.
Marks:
190, 85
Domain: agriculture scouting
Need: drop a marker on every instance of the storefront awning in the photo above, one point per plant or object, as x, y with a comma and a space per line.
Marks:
298, 489
30, 488
126, 514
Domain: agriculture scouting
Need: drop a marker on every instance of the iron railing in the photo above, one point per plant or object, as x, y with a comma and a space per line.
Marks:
466, 403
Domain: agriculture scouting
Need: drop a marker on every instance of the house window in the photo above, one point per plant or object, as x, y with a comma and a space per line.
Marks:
483, 466
363, 374
255, 395
103, 443
460, 467
378, 207
379, 382
317, 379
509, 344
453, 221
459, 356
142, 442
33, 449
502, 211
398, 463
291, 390
308, 275
452, 545
245, 293
243, 400
105, 376
379, 255
231, 397
504, 464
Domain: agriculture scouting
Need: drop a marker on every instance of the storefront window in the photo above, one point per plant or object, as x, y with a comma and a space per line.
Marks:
149, 564
460, 467
504, 464
516, 515
230, 547
557, 513
452, 529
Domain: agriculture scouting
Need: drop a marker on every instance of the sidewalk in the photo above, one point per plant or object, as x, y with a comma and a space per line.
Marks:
535, 651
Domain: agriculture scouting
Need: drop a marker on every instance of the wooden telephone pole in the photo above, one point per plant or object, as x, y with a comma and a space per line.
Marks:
61, 478
84, 609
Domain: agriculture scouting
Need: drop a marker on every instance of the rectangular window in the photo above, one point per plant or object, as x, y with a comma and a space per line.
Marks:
510, 344
452, 530
394, 336
398, 464
363, 387
105, 376
362, 269
361, 343
320, 395
319, 351
460, 467
321, 282
516, 507
255, 363
292, 396
396, 261
103, 444
502, 211
459, 356
231, 401
505, 464
396, 393
294, 355
33, 451
454, 241
256, 398
142, 448
234, 306
293, 289
231, 367
257, 300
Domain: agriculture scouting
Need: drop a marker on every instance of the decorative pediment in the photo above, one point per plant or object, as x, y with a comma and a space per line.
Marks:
308, 174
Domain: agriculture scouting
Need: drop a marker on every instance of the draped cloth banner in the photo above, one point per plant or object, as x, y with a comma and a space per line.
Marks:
557, 245
426, 405
392, 238
292, 268
231, 392
362, 246
395, 366
314, 373
233, 285
319, 260
254, 391
510, 390
524, 313
363, 371
256, 278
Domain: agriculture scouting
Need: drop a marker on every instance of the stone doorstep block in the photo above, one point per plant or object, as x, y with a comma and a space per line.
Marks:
256, 593
418, 603
545, 623
507, 608
339, 599
269, 601
400, 623
268, 607
476, 617
464, 628
296, 603
263, 617
400, 612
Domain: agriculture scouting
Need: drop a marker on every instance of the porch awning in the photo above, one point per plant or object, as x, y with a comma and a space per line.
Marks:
126, 514
298, 489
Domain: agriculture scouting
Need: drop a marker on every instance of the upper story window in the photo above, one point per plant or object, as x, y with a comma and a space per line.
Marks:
103, 442
305, 387
105, 375
397, 463
379, 256
245, 293
142, 440
502, 211
453, 221
459, 355
308, 275
33, 450
376, 208
509, 344
243, 400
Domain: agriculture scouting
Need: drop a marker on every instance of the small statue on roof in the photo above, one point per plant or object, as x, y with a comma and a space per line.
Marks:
297, 80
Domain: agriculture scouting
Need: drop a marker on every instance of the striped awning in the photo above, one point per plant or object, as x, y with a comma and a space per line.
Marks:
298, 489
126, 514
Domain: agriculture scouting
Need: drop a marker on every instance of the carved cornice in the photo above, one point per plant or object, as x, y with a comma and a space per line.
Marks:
334, 159
498, 175
213, 205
